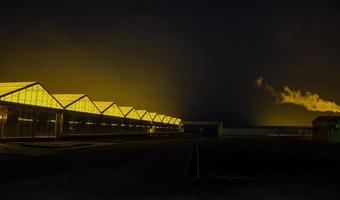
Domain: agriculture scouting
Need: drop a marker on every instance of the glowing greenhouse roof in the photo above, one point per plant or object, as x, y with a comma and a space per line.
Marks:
125, 109
67, 99
173, 120
29, 93
6, 88
103, 105
77, 102
178, 122
152, 115
133, 114
141, 113
166, 119
159, 118
109, 108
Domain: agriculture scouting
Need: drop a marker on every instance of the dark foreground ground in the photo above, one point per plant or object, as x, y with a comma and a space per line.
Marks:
166, 168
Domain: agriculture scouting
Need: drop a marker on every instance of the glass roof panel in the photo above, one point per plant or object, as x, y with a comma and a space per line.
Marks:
133, 114
125, 109
34, 95
166, 119
102, 105
67, 99
113, 110
6, 88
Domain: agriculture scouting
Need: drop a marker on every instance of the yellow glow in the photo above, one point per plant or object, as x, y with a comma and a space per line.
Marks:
133, 114
103, 105
125, 109
6, 88
152, 115
159, 118
141, 113
77, 102
67, 99
113, 110
29, 93
172, 121
166, 119
178, 122
147, 117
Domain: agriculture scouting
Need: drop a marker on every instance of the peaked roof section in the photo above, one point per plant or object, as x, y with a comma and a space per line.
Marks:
147, 117
159, 118
141, 113
125, 109
10, 87
133, 114
172, 120
178, 122
166, 119
103, 105
152, 115
77, 102
68, 99
29, 93
109, 108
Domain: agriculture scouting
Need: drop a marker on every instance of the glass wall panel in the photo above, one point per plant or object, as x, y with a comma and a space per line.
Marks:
27, 122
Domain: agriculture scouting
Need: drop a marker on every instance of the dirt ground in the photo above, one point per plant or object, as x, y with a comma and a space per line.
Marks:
166, 168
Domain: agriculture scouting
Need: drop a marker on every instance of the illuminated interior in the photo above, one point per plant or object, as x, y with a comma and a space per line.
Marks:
152, 115
159, 118
178, 122
166, 119
133, 114
30, 93
172, 121
111, 110
147, 117
141, 113
77, 102
125, 109
103, 105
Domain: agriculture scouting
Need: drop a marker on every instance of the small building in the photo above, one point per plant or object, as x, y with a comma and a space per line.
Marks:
203, 128
326, 128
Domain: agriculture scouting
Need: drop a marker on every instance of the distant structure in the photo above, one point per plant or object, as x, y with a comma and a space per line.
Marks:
326, 128
29, 110
203, 128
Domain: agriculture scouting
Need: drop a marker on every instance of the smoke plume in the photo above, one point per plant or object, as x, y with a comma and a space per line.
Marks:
312, 102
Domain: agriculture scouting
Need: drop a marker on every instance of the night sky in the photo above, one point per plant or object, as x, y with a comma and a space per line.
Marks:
197, 61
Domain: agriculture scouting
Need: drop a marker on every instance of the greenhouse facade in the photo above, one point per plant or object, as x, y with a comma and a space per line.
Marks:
29, 110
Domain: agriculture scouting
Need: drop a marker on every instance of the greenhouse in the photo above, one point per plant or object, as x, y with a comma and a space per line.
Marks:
29, 110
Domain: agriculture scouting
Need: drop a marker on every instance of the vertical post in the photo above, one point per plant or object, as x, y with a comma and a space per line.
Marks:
58, 128
198, 175
2, 118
